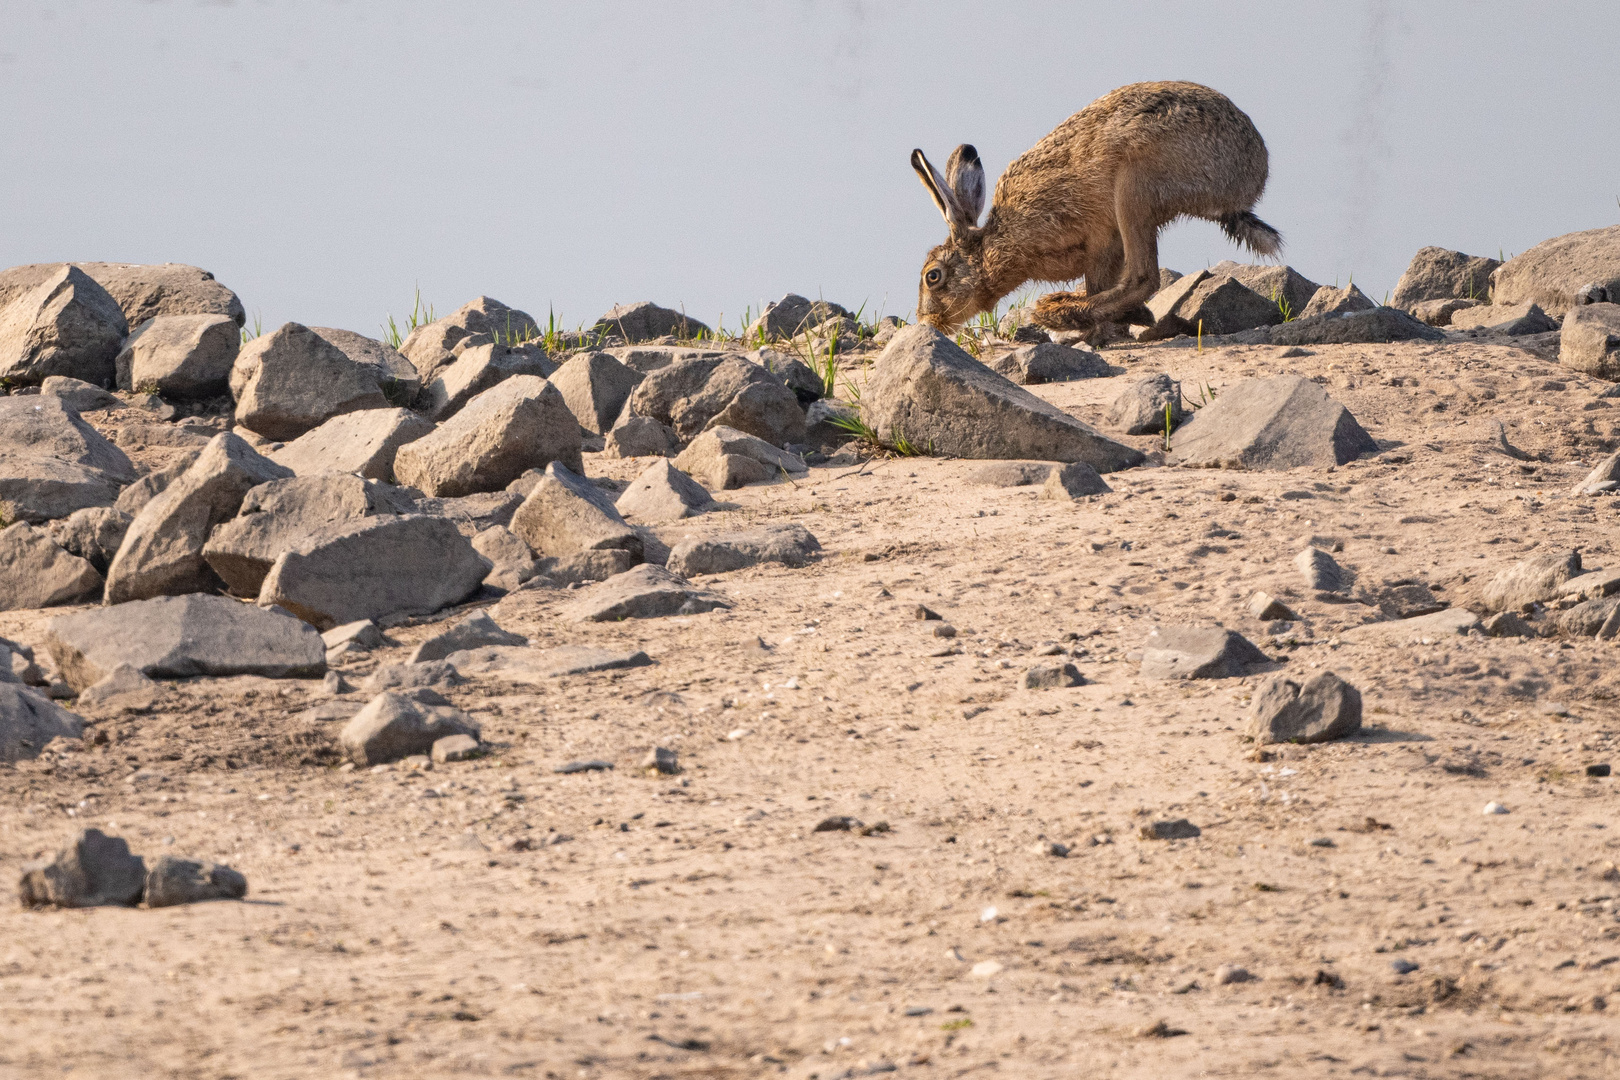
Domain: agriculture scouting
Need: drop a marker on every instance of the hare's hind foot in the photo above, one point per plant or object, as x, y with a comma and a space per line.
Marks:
1065, 311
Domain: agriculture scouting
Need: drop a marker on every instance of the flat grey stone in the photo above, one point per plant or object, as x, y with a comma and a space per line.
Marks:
406, 678
1532, 580
1076, 480
78, 395
28, 721
722, 458
1323, 709
363, 442
455, 748
1184, 652
1441, 624
719, 553
1008, 474
1381, 324
663, 493
171, 881
124, 685
180, 356
36, 573
362, 633
583, 766
52, 462
472, 632
643, 592
1175, 829
1514, 320
519, 424
1283, 422
392, 726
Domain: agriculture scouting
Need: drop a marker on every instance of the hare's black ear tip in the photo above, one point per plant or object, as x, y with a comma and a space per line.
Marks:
917, 156
970, 155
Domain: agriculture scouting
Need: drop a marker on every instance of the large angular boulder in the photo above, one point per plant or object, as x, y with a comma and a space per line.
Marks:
640, 436
1142, 408
374, 567
723, 458
179, 637
1283, 422
93, 870
566, 514
1324, 709
296, 377
52, 462
512, 561
147, 488
927, 390
719, 553
1554, 272
1605, 476
476, 631
1590, 342
35, 573
645, 320
1331, 301
392, 726
649, 358
662, 493
517, 425
180, 356
1279, 284
93, 534
64, 325
644, 592
1511, 319
141, 290
78, 395
1049, 362
791, 316
1437, 273
1440, 312
477, 369
692, 395
1221, 304
1185, 652
28, 721
1377, 326
363, 443
162, 550
276, 516
482, 320
1532, 580
595, 386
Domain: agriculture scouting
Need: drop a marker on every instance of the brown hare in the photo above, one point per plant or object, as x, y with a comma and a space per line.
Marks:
1088, 201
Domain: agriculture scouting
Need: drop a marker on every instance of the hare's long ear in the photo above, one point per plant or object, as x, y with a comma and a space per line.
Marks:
965, 175
937, 187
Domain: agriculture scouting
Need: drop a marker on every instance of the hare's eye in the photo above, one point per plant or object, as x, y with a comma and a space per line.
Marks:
933, 276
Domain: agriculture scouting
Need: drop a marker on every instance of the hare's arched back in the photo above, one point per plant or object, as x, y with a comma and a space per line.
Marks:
1088, 201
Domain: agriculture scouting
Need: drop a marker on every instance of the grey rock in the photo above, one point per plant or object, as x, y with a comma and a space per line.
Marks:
178, 637
528, 665
454, 748
1267, 608
1331, 301
274, 517
1223, 305
516, 425
1439, 312
1184, 652
19, 666
482, 320
1008, 474
1404, 601
295, 378
640, 436
587, 566
1380, 325
1052, 676
513, 562
93, 870
1320, 571
1507, 624
1590, 342
1049, 362
180, 356
1162, 306
583, 766
363, 443
28, 721
124, 686
1174, 829
1588, 618
1532, 580
144, 490
595, 387
1594, 293
1555, 271
1441, 624
392, 726
141, 291
1283, 422
35, 573
649, 358
162, 551
661, 760
1324, 709
663, 493
171, 881
67, 324
644, 592
1277, 284
826, 423
645, 321
722, 458
363, 634
806, 385
477, 369
374, 567
472, 632
52, 462
1139, 410
1077, 480
790, 545
791, 316
1440, 274
926, 389
566, 514
693, 395
1514, 320
414, 680
78, 395
1603, 477
472, 514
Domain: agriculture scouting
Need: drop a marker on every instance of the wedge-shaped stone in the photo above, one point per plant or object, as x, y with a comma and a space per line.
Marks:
519, 424
1140, 410
1381, 324
1049, 362
1532, 580
35, 573
1324, 709
162, 552
1554, 272
373, 567
363, 443
1224, 305
1277, 284
596, 386
513, 562
93, 870
297, 377
1513, 320
177, 637
276, 516
692, 395
1076, 480
180, 356
663, 493
1605, 477
392, 726
566, 514
790, 545
645, 320
28, 721
52, 462
644, 592
1331, 301
65, 325
1184, 652
640, 436
476, 370
528, 665
78, 395
649, 358
722, 458
1283, 422
141, 290
1590, 342
926, 390
473, 632
93, 534
482, 320
1437, 273
1441, 624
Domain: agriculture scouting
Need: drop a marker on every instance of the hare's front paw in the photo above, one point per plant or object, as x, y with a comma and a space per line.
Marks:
1064, 311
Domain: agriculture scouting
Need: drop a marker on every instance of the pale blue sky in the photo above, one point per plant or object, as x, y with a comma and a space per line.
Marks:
323, 159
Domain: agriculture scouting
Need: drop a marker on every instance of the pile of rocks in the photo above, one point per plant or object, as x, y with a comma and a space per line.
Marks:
97, 870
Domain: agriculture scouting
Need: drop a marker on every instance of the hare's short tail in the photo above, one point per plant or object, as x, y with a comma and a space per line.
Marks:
1246, 229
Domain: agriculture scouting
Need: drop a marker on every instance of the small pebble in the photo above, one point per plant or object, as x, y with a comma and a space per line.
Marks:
945, 630
1402, 967
986, 968
1227, 974
1494, 808
1598, 770
1323, 841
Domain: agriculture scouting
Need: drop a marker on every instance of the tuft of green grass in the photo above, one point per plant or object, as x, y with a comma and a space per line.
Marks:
393, 335
258, 328
1206, 394
1167, 427
1283, 306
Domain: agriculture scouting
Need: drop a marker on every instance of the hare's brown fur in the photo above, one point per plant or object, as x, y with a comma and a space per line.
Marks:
1088, 201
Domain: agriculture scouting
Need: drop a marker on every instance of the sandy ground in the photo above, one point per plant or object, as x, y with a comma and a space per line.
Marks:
493, 918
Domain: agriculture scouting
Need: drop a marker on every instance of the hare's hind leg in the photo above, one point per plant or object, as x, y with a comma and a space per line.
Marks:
1122, 300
